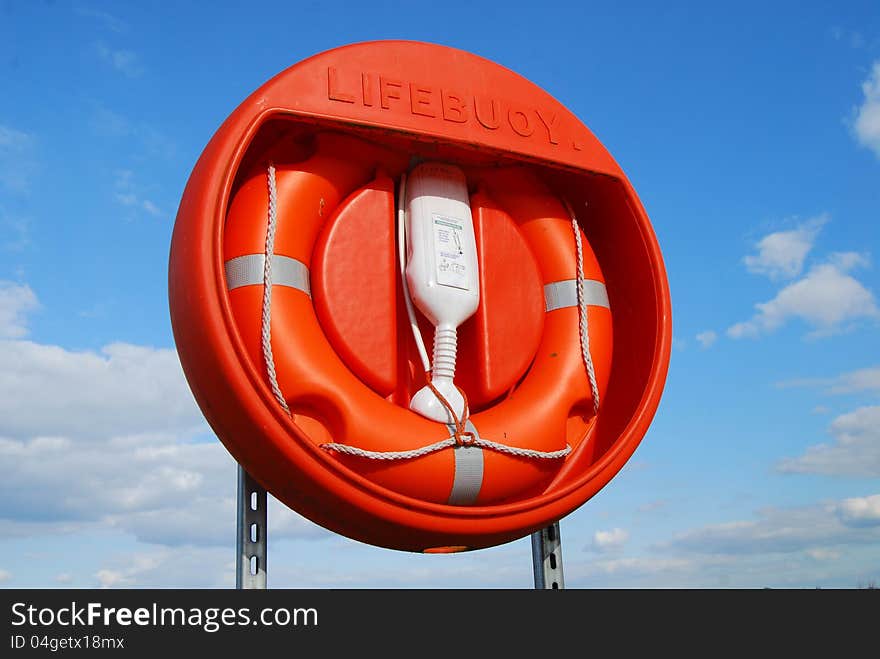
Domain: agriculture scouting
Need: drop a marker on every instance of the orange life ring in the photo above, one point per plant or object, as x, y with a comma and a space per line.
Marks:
333, 347
340, 129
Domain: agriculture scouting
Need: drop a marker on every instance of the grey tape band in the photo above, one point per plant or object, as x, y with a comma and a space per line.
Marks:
247, 270
561, 294
468, 471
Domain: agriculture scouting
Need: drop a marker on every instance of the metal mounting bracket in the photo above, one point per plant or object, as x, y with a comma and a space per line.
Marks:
250, 543
547, 558
251, 548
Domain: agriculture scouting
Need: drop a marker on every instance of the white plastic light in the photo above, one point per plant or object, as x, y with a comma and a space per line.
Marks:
441, 273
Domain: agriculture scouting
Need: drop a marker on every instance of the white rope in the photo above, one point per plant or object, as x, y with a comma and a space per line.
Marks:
267, 292
401, 253
389, 455
583, 327
522, 452
446, 443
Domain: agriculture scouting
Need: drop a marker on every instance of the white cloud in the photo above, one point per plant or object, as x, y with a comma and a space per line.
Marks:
782, 530
111, 440
163, 488
867, 122
127, 576
128, 194
855, 451
16, 301
609, 541
823, 554
670, 566
846, 261
116, 482
810, 567
286, 523
863, 379
707, 338
194, 567
5, 576
64, 578
637, 567
344, 563
801, 547
781, 255
151, 208
123, 390
827, 298
860, 511
111, 578
203, 515
133, 201
124, 61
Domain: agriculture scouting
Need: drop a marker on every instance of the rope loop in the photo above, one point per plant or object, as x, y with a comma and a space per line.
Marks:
583, 325
266, 320
461, 435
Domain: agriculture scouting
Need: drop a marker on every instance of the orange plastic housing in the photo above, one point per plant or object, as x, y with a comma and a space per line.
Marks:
340, 128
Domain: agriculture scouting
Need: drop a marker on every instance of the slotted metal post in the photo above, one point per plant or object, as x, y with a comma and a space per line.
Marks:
250, 543
547, 558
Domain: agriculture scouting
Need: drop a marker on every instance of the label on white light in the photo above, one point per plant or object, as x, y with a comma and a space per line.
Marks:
448, 253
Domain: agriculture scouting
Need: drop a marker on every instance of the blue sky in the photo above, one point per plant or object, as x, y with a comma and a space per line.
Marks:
750, 131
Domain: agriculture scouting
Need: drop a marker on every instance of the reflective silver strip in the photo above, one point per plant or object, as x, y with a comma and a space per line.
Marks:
468, 471
561, 294
247, 270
